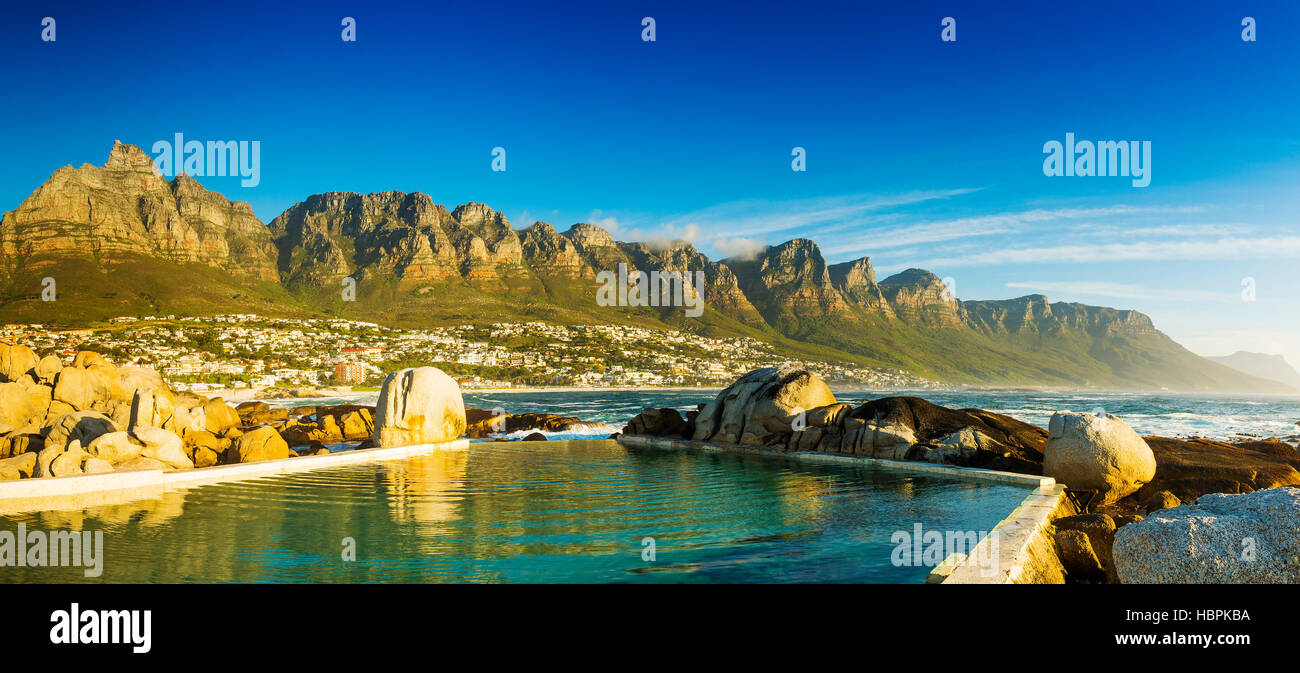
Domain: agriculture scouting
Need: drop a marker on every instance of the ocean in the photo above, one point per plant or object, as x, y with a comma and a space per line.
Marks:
1180, 415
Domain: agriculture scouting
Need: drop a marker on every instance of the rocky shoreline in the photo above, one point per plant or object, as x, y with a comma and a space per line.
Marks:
1147, 504
94, 417
1149, 507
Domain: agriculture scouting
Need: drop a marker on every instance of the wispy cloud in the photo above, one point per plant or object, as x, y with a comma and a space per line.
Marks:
886, 238
1120, 290
1230, 248
754, 218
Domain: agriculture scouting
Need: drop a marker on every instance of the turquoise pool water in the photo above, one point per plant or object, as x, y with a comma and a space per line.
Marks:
572, 511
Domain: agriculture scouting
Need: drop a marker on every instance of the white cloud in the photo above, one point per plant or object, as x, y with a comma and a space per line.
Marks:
741, 248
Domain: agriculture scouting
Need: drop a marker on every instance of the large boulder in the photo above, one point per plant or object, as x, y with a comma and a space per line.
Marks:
418, 406
59, 461
16, 362
80, 426
48, 369
162, 446
81, 388
218, 417
910, 428
761, 408
134, 378
114, 447
23, 402
152, 409
261, 444
666, 422
357, 425
1251, 538
1097, 452
18, 467
259, 413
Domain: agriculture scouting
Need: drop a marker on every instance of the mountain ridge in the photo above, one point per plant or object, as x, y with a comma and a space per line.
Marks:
119, 238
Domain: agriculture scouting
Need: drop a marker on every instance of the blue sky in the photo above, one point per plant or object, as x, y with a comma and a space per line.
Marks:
919, 152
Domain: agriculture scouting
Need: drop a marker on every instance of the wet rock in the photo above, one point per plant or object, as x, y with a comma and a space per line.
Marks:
660, 423
534, 437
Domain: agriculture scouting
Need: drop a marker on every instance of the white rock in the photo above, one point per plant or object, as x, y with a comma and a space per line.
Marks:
1251, 538
418, 406
1097, 452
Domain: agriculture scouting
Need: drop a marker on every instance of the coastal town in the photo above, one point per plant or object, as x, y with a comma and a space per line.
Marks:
247, 351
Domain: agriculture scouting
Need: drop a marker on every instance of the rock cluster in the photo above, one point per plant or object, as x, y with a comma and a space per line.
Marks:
791, 409
90, 416
482, 423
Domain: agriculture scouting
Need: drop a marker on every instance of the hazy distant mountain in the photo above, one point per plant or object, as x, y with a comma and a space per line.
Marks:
120, 239
1262, 365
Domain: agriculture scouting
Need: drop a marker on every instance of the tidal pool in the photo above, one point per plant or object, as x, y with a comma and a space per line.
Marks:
587, 511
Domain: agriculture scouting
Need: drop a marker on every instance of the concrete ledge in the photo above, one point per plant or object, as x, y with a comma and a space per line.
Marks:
970, 473
1020, 549
88, 490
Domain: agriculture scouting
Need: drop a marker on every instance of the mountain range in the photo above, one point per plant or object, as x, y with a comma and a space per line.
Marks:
120, 239
1261, 365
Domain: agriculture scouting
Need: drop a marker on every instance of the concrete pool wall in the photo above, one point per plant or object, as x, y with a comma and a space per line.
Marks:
1019, 549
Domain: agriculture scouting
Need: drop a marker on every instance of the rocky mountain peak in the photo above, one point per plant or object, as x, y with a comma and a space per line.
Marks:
125, 208
588, 236
856, 280
478, 217
129, 158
